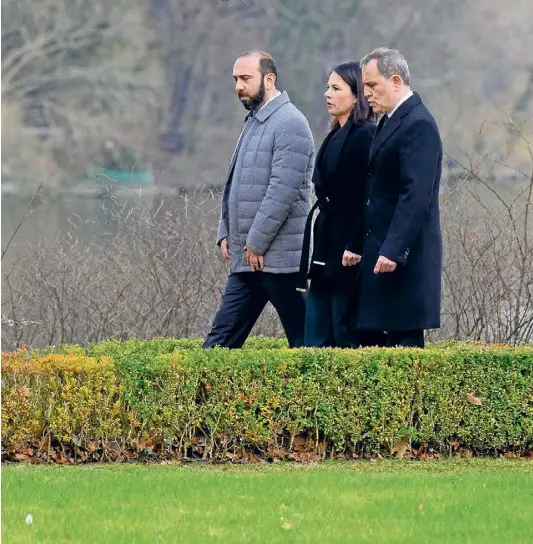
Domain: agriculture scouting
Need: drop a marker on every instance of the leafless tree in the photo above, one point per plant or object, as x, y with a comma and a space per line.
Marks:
488, 239
64, 69
147, 273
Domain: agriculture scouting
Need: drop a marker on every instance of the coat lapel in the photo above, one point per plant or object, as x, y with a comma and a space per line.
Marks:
393, 124
317, 176
384, 134
342, 140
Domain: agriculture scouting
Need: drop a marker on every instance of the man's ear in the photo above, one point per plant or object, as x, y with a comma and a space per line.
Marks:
397, 80
270, 81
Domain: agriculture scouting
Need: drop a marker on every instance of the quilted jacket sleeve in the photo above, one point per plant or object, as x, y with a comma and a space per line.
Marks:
293, 149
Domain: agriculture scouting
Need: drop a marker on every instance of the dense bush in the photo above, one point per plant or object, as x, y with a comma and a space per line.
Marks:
171, 399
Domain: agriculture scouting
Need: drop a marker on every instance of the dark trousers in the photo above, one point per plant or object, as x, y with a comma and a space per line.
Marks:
390, 339
245, 297
326, 305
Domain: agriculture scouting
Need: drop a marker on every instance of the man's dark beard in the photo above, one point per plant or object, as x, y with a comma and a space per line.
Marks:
255, 101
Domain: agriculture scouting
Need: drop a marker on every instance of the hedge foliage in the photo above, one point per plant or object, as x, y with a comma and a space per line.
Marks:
171, 399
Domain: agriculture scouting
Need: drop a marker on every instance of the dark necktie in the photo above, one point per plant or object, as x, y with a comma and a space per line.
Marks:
382, 123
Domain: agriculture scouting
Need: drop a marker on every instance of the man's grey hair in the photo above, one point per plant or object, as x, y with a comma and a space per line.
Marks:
390, 62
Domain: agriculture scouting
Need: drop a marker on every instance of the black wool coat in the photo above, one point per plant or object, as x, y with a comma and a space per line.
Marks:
402, 223
341, 200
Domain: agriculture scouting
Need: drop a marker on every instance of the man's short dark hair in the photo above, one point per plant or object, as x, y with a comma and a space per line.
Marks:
266, 62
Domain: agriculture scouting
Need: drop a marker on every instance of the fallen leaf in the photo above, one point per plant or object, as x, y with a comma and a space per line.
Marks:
473, 399
421, 507
60, 458
84, 455
401, 447
299, 443
305, 457
20, 457
251, 457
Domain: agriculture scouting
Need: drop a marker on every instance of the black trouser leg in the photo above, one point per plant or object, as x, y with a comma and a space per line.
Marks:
289, 303
406, 339
318, 325
326, 306
365, 339
242, 303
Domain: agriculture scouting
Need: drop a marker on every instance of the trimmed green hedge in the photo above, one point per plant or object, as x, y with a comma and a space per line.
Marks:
171, 399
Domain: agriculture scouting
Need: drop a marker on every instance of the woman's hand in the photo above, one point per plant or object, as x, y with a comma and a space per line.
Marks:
350, 259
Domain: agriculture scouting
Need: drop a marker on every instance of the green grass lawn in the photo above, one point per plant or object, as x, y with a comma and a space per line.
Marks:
459, 501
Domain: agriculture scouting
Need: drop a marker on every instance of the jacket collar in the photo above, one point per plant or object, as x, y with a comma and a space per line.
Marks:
393, 123
264, 113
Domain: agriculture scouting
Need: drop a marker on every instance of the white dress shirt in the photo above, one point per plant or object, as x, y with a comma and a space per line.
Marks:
408, 95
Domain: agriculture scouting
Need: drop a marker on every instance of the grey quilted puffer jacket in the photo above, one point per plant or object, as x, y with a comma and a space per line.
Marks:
267, 194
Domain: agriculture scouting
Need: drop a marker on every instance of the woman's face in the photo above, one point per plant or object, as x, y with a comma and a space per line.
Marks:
339, 97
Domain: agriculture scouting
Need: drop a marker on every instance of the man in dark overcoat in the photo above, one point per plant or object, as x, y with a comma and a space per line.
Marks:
400, 276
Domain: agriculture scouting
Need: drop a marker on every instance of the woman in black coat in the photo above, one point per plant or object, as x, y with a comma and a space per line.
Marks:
338, 233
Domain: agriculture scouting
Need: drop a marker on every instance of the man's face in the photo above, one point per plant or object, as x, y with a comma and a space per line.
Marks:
381, 92
249, 83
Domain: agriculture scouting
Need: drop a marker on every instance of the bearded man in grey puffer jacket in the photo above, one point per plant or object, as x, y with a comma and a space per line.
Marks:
267, 197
